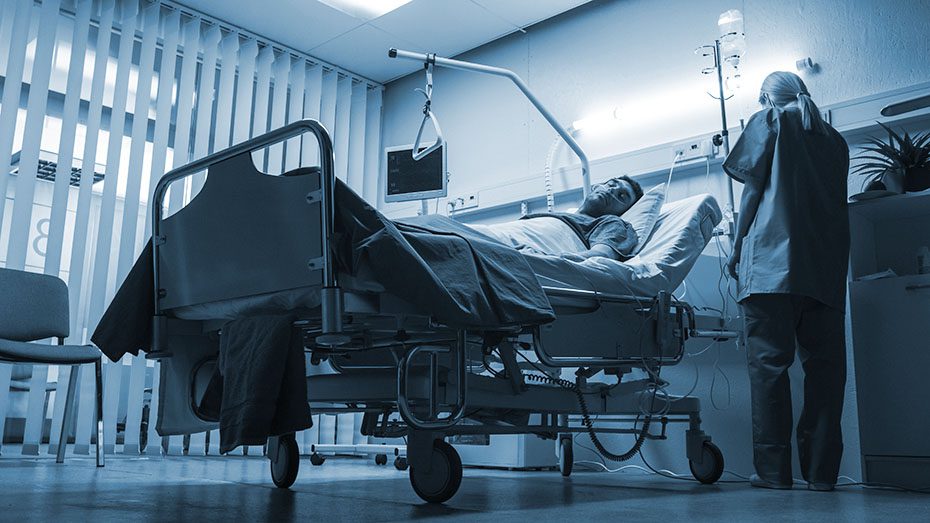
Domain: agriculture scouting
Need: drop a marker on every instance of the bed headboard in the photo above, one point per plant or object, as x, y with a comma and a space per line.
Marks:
245, 233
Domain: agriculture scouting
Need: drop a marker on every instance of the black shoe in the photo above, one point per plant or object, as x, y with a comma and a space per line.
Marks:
757, 481
821, 487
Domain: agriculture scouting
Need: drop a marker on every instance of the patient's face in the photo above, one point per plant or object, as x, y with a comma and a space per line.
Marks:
611, 197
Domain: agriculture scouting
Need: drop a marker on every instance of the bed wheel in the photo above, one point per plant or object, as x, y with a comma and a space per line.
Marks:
711, 467
380, 459
285, 462
316, 460
442, 481
566, 456
400, 463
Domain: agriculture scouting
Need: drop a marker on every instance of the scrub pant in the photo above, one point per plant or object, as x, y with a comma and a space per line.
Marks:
775, 325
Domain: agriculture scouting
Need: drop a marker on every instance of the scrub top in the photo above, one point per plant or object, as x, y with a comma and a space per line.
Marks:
799, 240
609, 229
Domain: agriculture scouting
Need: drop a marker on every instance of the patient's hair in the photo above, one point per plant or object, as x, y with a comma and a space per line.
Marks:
637, 188
781, 88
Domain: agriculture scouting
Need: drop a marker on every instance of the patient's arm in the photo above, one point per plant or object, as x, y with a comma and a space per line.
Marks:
598, 249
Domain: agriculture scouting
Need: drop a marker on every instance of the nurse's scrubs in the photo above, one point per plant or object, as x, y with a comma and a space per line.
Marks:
792, 288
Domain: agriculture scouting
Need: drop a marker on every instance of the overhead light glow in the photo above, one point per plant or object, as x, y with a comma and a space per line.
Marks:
365, 9
597, 121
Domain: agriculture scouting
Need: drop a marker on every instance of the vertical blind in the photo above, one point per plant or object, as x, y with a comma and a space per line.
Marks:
99, 99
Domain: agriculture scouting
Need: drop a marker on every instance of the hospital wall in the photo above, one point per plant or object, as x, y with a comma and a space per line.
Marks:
638, 55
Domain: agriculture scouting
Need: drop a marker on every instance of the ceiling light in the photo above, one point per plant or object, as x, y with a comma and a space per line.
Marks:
365, 9
597, 122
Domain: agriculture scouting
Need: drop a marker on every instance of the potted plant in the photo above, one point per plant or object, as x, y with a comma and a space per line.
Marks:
903, 162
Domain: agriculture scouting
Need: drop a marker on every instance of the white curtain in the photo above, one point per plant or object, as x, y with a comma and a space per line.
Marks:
99, 99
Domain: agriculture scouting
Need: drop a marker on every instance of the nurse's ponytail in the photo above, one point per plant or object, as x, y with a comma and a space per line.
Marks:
783, 88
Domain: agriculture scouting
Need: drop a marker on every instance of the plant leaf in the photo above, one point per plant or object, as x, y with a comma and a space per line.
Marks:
892, 136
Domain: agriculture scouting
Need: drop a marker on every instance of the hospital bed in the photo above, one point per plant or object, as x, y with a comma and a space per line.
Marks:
250, 243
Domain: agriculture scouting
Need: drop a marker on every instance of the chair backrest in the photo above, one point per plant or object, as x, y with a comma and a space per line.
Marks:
32, 306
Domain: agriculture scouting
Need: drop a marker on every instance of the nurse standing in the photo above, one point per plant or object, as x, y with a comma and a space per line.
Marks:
791, 257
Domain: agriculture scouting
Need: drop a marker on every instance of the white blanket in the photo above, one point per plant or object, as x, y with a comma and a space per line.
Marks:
683, 230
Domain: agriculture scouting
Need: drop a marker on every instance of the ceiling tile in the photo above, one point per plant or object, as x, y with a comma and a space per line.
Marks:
446, 27
300, 24
523, 14
364, 51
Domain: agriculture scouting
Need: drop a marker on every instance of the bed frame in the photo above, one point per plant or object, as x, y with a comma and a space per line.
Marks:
388, 357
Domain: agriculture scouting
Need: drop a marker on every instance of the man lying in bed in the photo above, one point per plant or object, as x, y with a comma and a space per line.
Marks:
598, 224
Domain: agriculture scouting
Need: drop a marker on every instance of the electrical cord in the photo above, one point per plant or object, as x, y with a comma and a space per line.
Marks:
589, 425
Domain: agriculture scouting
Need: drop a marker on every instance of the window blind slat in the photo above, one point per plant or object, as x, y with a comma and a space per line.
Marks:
140, 126
60, 196
313, 86
295, 111
134, 403
105, 236
69, 124
371, 191
153, 447
102, 280
281, 69
182, 134
356, 133
204, 108
341, 131
262, 92
245, 87
229, 51
12, 86
21, 223
328, 103
169, 61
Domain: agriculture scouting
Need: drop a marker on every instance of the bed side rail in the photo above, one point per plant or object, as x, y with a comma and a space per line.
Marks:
641, 329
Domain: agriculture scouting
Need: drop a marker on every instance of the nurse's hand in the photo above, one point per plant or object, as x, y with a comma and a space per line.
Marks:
732, 264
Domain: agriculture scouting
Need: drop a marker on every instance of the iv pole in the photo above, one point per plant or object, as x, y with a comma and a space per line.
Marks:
721, 139
497, 71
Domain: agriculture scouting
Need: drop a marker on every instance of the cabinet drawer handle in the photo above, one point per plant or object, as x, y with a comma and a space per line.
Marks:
917, 287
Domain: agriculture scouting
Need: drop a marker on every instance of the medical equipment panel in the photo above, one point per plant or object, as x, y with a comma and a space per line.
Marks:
408, 179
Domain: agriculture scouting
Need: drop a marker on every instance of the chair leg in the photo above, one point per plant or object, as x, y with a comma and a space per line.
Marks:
66, 421
98, 367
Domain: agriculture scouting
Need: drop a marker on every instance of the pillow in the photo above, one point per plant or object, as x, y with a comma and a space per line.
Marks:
644, 214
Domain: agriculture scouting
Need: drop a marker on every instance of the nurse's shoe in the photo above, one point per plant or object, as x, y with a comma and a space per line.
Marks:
757, 481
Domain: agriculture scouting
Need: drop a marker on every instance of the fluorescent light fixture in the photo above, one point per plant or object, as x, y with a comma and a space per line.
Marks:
596, 122
365, 9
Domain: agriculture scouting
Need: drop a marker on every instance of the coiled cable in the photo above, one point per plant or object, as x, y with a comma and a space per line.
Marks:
550, 199
589, 425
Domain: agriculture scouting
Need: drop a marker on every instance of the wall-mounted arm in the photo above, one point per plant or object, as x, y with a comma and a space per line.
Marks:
497, 71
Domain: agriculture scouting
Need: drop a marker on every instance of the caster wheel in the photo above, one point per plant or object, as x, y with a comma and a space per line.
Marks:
285, 463
442, 481
316, 460
711, 467
380, 459
400, 463
566, 457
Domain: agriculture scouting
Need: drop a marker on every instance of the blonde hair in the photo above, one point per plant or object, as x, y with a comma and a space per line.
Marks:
782, 88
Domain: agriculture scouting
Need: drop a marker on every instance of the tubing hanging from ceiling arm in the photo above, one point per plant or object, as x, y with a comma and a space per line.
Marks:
498, 71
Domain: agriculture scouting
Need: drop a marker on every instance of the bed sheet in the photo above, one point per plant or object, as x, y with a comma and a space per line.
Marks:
682, 231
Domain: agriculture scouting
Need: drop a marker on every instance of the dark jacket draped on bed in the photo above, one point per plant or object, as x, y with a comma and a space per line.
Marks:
456, 275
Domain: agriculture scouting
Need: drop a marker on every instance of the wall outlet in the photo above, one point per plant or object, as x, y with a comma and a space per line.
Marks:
467, 201
692, 150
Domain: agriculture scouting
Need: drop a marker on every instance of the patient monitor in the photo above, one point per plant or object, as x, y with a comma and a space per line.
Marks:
407, 179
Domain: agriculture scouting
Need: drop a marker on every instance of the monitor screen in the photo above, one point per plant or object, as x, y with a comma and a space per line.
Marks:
408, 179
